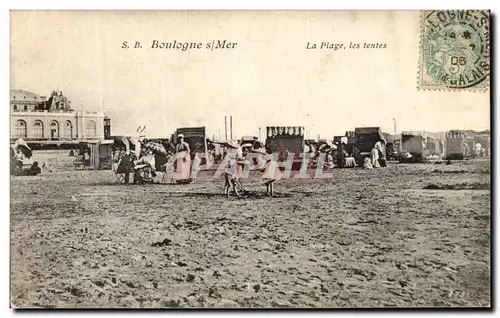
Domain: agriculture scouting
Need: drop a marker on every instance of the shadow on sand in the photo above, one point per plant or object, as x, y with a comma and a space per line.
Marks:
245, 195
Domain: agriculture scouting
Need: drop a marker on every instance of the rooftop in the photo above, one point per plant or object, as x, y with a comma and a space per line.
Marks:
22, 95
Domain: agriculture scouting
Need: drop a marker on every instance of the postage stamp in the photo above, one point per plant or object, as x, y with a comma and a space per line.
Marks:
455, 50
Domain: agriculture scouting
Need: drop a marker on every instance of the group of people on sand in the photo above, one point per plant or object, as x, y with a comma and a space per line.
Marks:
142, 166
236, 159
336, 154
20, 160
22, 166
143, 162
145, 165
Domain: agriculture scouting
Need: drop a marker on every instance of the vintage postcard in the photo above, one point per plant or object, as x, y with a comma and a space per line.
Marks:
250, 159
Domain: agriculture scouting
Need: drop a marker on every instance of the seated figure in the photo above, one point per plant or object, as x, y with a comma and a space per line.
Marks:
146, 164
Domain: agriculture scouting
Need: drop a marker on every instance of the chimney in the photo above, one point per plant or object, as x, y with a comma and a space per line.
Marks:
225, 126
231, 127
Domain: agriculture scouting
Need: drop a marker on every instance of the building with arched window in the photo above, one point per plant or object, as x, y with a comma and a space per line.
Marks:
52, 121
90, 128
38, 129
54, 130
68, 129
20, 129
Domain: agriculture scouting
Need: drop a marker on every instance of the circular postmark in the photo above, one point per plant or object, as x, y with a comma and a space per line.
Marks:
456, 52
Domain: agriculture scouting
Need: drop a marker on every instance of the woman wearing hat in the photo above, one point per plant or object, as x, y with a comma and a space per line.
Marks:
378, 154
183, 153
234, 166
271, 170
237, 160
182, 145
146, 163
236, 163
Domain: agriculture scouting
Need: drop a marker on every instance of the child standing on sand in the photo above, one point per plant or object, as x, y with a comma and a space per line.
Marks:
271, 171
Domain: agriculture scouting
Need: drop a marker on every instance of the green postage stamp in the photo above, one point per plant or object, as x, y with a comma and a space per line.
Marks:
455, 50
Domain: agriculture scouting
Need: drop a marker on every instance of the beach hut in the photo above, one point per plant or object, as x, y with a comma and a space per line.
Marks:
351, 141
290, 138
366, 137
455, 145
415, 143
337, 139
101, 154
280, 138
196, 139
434, 146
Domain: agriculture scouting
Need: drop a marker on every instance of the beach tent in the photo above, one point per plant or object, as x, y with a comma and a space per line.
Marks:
100, 154
280, 138
455, 145
366, 137
290, 138
415, 143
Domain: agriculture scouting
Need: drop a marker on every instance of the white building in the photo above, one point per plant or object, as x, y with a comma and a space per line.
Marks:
52, 121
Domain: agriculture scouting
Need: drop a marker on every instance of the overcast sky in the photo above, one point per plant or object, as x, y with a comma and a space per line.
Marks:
268, 79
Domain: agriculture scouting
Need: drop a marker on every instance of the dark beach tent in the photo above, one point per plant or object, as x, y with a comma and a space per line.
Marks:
169, 146
118, 142
126, 143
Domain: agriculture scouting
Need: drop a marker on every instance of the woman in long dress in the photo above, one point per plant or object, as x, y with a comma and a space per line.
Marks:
183, 163
377, 154
374, 156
